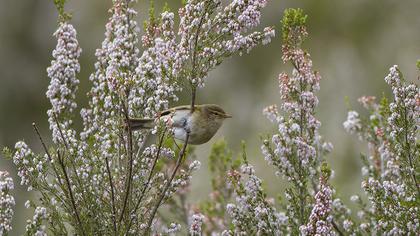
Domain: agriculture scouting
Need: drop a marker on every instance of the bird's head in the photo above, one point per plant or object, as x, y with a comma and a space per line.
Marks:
215, 111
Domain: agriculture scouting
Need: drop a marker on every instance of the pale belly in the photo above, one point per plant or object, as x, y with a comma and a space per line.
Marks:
198, 134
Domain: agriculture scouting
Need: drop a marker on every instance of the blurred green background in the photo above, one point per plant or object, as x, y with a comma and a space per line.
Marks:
352, 43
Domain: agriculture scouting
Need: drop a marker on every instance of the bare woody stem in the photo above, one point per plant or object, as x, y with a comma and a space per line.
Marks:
48, 154
194, 61
130, 161
67, 148
73, 202
149, 178
111, 184
168, 184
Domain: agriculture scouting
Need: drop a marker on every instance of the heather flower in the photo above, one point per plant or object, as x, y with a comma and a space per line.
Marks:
297, 149
64, 84
390, 167
352, 124
196, 223
35, 226
319, 222
252, 213
7, 203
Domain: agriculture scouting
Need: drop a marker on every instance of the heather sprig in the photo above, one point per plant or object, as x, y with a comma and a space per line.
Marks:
297, 150
391, 167
107, 179
7, 203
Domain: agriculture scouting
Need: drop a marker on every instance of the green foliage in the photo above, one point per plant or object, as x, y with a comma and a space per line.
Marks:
293, 23
221, 163
418, 64
63, 16
325, 170
7, 153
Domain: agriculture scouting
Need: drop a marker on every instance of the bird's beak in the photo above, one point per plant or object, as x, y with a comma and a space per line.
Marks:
227, 116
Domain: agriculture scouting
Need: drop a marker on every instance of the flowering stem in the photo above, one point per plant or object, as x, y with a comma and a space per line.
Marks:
48, 154
146, 186
112, 195
336, 228
168, 184
130, 161
73, 202
409, 153
194, 61
67, 148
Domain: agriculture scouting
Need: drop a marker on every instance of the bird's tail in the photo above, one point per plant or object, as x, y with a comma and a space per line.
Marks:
137, 124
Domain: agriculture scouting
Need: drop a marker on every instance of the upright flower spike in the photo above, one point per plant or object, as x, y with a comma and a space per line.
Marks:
320, 218
391, 166
64, 84
297, 148
114, 70
252, 213
7, 203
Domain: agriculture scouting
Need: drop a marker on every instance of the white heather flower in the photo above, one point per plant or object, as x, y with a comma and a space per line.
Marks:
172, 229
64, 84
354, 198
7, 203
352, 124
27, 204
35, 226
195, 165
23, 158
252, 212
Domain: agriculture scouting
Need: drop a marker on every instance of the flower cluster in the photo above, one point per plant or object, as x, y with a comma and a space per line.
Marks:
320, 221
391, 167
63, 82
353, 123
29, 165
297, 150
7, 202
252, 213
213, 32
35, 226
196, 223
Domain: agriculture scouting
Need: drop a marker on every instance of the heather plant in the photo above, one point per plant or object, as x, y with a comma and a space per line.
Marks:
391, 167
7, 202
106, 179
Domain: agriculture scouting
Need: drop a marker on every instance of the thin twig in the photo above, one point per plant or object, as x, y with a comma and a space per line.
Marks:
168, 184
194, 60
146, 186
408, 148
67, 148
48, 153
130, 162
114, 213
337, 228
73, 202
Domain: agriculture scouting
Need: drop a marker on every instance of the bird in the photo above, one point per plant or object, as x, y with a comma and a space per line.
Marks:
201, 124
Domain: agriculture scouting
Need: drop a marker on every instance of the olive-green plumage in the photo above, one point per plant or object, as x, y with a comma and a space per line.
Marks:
202, 124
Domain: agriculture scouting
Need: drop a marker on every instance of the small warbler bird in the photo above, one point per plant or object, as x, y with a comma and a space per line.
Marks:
202, 124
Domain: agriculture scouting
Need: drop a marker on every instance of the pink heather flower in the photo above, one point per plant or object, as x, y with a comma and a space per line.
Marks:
251, 212
7, 203
196, 223
319, 223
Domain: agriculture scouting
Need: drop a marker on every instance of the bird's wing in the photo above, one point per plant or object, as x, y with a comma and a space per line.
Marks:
173, 109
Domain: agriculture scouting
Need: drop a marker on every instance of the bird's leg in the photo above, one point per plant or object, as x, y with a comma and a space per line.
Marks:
179, 148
